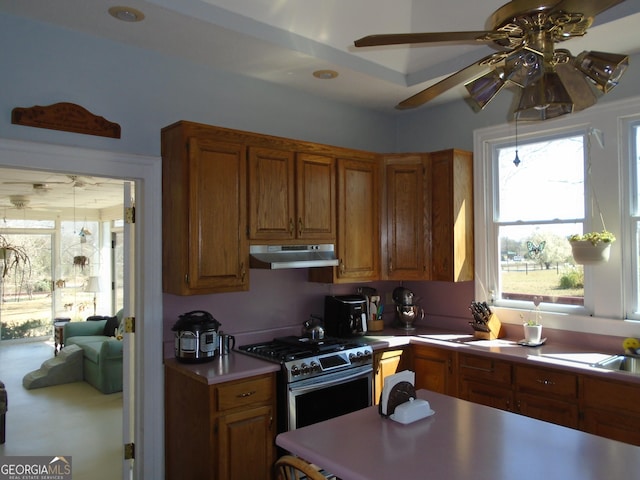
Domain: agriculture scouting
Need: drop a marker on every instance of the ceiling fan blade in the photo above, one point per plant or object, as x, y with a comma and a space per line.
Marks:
465, 75
405, 38
589, 8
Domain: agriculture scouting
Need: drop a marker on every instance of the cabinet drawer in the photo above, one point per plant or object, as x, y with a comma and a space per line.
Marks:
242, 393
552, 382
485, 368
622, 397
490, 394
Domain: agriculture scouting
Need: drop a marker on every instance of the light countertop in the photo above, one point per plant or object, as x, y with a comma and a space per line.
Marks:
462, 440
225, 368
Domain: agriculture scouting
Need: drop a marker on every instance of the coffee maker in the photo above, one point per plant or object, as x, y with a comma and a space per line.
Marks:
345, 315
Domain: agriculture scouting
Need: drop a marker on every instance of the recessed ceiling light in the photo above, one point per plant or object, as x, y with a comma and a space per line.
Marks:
126, 14
325, 74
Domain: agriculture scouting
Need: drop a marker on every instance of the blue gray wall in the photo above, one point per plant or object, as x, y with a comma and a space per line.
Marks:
144, 91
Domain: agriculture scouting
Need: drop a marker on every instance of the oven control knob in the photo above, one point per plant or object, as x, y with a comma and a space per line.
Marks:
295, 371
352, 356
304, 368
315, 367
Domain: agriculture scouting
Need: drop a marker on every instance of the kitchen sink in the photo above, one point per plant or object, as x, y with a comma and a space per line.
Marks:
625, 363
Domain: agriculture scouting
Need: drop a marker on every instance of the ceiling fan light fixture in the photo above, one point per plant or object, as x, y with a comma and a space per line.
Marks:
547, 98
605, 69
485, 88
581, 90
524, 67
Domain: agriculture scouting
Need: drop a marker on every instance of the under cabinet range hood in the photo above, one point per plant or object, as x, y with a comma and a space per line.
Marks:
277, 257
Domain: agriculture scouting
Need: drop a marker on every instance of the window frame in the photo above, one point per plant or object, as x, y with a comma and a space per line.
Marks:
607, 289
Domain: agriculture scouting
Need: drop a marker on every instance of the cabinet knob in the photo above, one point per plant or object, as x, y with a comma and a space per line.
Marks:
291, 225
246, 394
300, 226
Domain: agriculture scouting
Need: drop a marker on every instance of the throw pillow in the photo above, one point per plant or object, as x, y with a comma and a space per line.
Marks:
111, 326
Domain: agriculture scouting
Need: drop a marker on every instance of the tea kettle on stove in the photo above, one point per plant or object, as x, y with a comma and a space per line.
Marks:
313, 328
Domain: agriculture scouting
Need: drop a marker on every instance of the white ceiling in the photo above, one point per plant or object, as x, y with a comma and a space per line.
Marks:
27, 194
284, 41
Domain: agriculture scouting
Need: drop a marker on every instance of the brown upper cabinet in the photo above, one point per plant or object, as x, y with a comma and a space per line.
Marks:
406, 252
392, 217
451, 223
358, 218
205, 247
291, 196
428, 220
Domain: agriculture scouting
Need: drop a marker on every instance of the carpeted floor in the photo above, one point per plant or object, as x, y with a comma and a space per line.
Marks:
73, 419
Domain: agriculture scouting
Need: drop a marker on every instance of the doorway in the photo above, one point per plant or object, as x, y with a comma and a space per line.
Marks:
73, 270
147, 173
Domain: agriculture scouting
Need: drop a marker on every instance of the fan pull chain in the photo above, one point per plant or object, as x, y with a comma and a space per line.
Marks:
516, 161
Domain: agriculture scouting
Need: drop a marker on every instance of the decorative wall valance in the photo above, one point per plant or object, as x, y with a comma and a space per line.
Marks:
67, 117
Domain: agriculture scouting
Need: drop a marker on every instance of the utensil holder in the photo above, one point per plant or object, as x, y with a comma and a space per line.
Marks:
495, 329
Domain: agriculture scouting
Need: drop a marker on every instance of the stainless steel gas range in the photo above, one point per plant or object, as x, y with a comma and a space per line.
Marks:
319, 379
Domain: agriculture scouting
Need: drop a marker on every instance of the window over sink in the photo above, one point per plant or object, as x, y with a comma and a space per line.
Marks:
575, 172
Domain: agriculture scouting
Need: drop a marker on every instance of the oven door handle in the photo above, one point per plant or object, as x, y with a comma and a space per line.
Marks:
321, 383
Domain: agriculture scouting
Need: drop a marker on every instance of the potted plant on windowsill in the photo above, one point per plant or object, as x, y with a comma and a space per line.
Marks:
533, 327
591, 248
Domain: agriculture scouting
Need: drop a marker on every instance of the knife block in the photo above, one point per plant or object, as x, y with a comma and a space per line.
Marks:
495, 329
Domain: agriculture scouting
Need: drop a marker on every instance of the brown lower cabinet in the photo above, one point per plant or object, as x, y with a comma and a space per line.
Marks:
435, 369
385, 363
547, 394
221, 431
486, 381
609, 408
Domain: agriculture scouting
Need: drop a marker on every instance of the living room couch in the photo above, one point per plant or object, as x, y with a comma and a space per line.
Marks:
102, 351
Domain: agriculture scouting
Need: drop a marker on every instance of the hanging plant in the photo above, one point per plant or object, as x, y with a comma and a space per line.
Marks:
591, 248
594, 247
13, 257
81, 261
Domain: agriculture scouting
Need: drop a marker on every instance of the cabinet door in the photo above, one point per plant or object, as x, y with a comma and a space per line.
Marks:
218, 250
547, 394
548, 409
316, 197
452, 256
611, 409
435, 369
358, 220
385, 364
271, 194
245, 444
490, 394
407, 255
485, 380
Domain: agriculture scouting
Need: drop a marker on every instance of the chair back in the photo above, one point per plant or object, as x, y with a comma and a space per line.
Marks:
289, 467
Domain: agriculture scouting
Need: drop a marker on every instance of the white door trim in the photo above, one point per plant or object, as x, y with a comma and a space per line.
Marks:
147, 173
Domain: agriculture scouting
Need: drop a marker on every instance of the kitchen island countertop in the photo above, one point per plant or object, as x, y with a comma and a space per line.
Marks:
461, 440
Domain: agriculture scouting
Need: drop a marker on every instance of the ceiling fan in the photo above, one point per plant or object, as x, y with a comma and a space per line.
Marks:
552, 81
75, 181
22, 202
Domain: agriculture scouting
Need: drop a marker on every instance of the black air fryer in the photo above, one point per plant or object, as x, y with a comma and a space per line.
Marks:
345, 315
